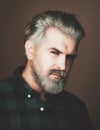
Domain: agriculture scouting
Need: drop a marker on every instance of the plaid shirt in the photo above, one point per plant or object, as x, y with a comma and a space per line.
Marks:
21, 108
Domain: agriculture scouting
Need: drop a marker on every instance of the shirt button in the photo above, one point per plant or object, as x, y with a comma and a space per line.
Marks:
29, 95
41, 108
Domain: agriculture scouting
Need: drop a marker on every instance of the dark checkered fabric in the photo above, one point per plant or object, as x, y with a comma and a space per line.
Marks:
21, 108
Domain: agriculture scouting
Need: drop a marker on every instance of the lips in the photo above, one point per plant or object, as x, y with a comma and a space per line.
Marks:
58, 73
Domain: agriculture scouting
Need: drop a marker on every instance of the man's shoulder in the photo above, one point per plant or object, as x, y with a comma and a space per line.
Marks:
6, 84
71, 98
13, 80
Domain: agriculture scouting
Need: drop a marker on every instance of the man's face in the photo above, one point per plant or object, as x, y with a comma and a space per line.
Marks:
52, 61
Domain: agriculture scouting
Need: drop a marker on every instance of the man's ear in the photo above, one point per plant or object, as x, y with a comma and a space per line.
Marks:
29, 49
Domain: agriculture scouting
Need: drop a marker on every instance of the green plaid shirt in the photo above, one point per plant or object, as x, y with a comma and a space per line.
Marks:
21, 108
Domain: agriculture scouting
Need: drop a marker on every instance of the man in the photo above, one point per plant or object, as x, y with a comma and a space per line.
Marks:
34, 97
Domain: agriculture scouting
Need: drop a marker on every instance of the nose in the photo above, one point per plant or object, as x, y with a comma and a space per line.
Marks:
61, 63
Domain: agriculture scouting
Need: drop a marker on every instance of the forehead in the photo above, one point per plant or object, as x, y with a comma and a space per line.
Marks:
57, 39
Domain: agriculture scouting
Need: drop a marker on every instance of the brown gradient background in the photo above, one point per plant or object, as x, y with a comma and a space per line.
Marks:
84, 79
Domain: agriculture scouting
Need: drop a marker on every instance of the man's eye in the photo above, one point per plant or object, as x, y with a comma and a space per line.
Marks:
55, 52
71, 57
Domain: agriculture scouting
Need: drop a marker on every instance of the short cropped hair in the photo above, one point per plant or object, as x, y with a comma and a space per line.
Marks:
64, 22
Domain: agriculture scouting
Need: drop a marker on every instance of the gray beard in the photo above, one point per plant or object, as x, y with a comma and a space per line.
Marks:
52, 86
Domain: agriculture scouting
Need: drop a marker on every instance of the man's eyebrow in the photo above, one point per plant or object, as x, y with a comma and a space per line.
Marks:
73, 54
55, 49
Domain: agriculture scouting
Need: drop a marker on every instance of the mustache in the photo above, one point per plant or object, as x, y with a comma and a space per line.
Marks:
59, 72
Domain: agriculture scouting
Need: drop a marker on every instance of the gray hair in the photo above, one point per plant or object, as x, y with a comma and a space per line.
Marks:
65, 22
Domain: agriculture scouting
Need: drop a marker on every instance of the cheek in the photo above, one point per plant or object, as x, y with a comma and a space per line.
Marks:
47, 62
69, 66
